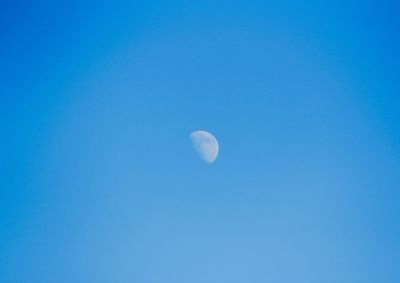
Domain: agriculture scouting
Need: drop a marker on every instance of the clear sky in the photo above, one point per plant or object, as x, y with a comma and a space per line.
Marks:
98, 179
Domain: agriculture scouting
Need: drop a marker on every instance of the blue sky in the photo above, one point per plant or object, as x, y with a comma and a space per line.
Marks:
98, 180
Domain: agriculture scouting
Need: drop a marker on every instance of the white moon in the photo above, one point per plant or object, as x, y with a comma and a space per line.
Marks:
206, 145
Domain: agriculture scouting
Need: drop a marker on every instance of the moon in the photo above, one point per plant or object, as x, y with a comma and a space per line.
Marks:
206, 145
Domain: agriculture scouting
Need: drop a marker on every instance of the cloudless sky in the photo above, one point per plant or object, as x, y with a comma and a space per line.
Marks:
98, 180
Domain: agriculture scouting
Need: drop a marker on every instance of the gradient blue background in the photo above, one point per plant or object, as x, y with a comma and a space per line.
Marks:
98, 180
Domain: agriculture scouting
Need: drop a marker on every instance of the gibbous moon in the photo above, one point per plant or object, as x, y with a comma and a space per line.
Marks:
206, 145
